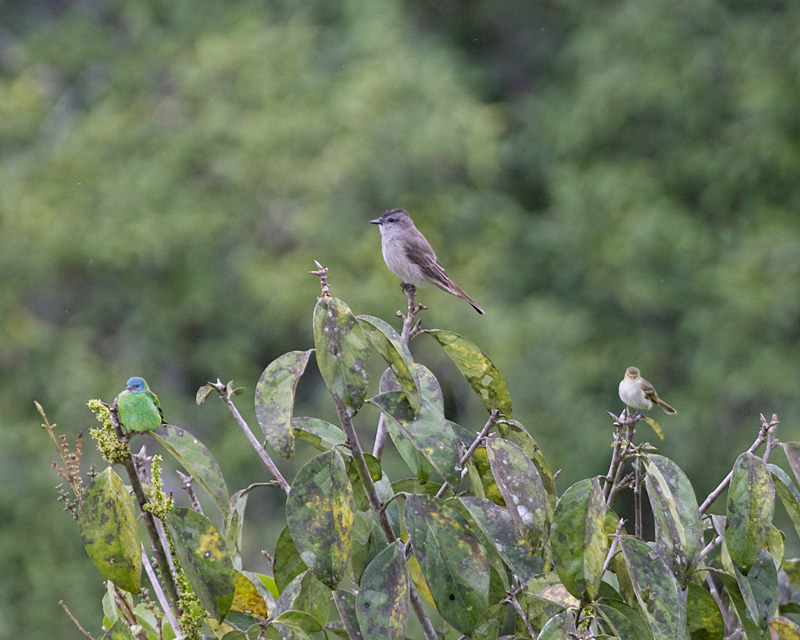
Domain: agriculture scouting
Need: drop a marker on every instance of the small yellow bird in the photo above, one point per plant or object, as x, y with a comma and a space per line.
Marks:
638, 393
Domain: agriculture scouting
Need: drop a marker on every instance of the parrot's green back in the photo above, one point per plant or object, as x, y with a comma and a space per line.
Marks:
138, 411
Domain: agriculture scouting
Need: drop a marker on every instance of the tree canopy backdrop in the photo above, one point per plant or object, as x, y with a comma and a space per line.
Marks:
614, 183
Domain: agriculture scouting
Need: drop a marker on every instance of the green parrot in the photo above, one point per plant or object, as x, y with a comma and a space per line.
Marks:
138, 408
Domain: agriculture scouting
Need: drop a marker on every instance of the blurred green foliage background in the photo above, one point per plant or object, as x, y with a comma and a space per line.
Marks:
616, 183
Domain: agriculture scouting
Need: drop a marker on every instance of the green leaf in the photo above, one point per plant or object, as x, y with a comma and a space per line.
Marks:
204, 558
429, 433
476, 367
247, 599
197, 460
306, 593
792, 452
429, 387
342, 350
300, 624
787, 492
623, 621
498, 526
660, 597
537, 609
750, 508
678, 529
275, 399
382, 601
319, 512
318, 433
118, 631
578, 538
784, 628
345, 601
521, 486
759, 589
655, 426
202, 393
560, 627
751, 628
288, 564
704, 620
491, 623
396, 355
109, 531
453, 561
234, 521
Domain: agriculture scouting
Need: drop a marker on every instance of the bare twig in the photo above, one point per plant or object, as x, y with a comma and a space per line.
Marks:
727, 616
322, 273
614, 544
410, 326
763, 434
381, 434
187, 481
710, 547
623, 448
770, 428
262, 452
156, 585
494, 416
75, 620
637, 497
512, 598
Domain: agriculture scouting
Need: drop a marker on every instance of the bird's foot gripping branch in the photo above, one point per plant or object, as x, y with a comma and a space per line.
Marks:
473, 539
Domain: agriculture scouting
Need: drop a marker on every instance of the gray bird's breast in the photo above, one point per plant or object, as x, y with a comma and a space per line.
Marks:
394, 254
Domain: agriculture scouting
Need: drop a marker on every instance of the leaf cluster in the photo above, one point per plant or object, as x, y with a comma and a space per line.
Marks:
475, 542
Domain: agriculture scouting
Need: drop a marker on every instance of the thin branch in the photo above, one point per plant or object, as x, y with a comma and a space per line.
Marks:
726, 615
159, 551
622, 449
770, 428
262, 452
512, 598
187, 481
410, 327
637, 497
322, 273
613, 548
710, 547
381, 433
75, 620
494, 416
160, 596
763, 433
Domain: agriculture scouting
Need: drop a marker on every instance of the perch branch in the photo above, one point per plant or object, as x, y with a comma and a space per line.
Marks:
763, 434
160, 596
494, 416
322, 273
75, 620
262, 452
159, 551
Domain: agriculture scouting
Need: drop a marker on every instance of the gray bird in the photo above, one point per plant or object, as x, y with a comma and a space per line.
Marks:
410, 256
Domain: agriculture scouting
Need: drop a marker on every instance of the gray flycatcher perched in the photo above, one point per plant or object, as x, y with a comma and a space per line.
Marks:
409, 255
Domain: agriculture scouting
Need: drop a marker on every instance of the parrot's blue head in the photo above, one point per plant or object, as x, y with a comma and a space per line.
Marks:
136, 384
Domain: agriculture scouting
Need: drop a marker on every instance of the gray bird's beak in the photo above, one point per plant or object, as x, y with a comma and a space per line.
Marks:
378, 221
